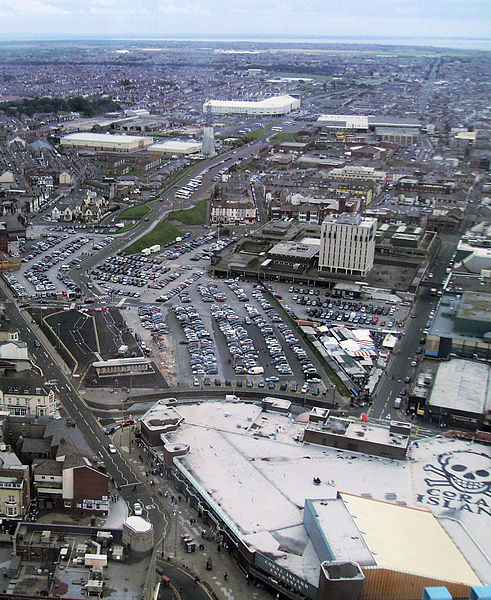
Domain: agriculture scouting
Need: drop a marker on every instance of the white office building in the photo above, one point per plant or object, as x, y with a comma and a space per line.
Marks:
276, 105
347, 244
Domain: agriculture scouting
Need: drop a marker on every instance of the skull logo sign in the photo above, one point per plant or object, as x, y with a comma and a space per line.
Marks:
464, 470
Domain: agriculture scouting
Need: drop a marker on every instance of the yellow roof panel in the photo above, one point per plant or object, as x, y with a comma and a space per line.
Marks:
408, 539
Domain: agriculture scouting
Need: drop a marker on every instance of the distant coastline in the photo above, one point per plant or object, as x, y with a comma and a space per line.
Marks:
452, 43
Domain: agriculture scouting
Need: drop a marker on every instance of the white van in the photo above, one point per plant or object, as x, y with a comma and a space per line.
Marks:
256, 371
398, 402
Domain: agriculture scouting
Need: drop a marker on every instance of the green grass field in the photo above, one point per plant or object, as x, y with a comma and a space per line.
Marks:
282, 136
190, 216
254, 135
161, 234
135, 212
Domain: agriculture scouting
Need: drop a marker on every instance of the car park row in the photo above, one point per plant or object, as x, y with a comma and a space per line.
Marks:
198, 340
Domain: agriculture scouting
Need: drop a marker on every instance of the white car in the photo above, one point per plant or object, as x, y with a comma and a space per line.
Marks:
137, 509
112, 449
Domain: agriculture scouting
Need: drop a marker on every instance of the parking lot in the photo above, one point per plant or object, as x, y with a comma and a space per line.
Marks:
44, 268
223, 334
319, 305
131, 275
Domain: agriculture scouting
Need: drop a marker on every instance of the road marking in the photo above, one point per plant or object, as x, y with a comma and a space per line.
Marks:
178, 595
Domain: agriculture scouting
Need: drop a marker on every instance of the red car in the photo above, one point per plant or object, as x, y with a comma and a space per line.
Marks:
127, 422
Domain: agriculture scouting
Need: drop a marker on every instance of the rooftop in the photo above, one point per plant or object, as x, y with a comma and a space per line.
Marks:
443, 324
475, 306
138, 524
123, 579
344, 121
462, 385
355, 430
407, 540
160, 416
348, 219
273, 102
295, 249
104, 138
250, 467
176, 146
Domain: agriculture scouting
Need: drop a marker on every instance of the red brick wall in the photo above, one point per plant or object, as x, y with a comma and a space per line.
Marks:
89, 484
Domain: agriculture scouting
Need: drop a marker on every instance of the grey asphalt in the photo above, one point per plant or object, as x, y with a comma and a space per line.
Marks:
399, 366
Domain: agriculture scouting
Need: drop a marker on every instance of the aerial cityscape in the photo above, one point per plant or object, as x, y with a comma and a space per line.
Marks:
245, 312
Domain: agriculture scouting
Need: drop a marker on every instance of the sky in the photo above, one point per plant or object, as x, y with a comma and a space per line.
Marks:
254, 18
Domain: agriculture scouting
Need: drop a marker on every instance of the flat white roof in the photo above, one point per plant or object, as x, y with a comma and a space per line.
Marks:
112, 362
104, 138
249, 466
138, 524
273, 102
347, 121
341, 531
176, 146
462, 385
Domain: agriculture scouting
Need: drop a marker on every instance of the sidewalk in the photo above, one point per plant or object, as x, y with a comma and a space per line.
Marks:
117, 514
235, 586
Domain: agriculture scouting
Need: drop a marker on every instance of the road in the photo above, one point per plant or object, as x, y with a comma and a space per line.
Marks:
399, 367
121, 473
427, 88
164, 205
182, 584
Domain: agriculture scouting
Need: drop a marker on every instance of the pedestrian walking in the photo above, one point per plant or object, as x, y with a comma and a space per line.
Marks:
225, 576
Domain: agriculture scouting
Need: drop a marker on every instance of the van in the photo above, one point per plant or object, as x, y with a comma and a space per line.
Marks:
397, 402
256, 371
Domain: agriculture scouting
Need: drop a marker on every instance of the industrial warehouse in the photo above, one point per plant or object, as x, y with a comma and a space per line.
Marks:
176, 147
106, 141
